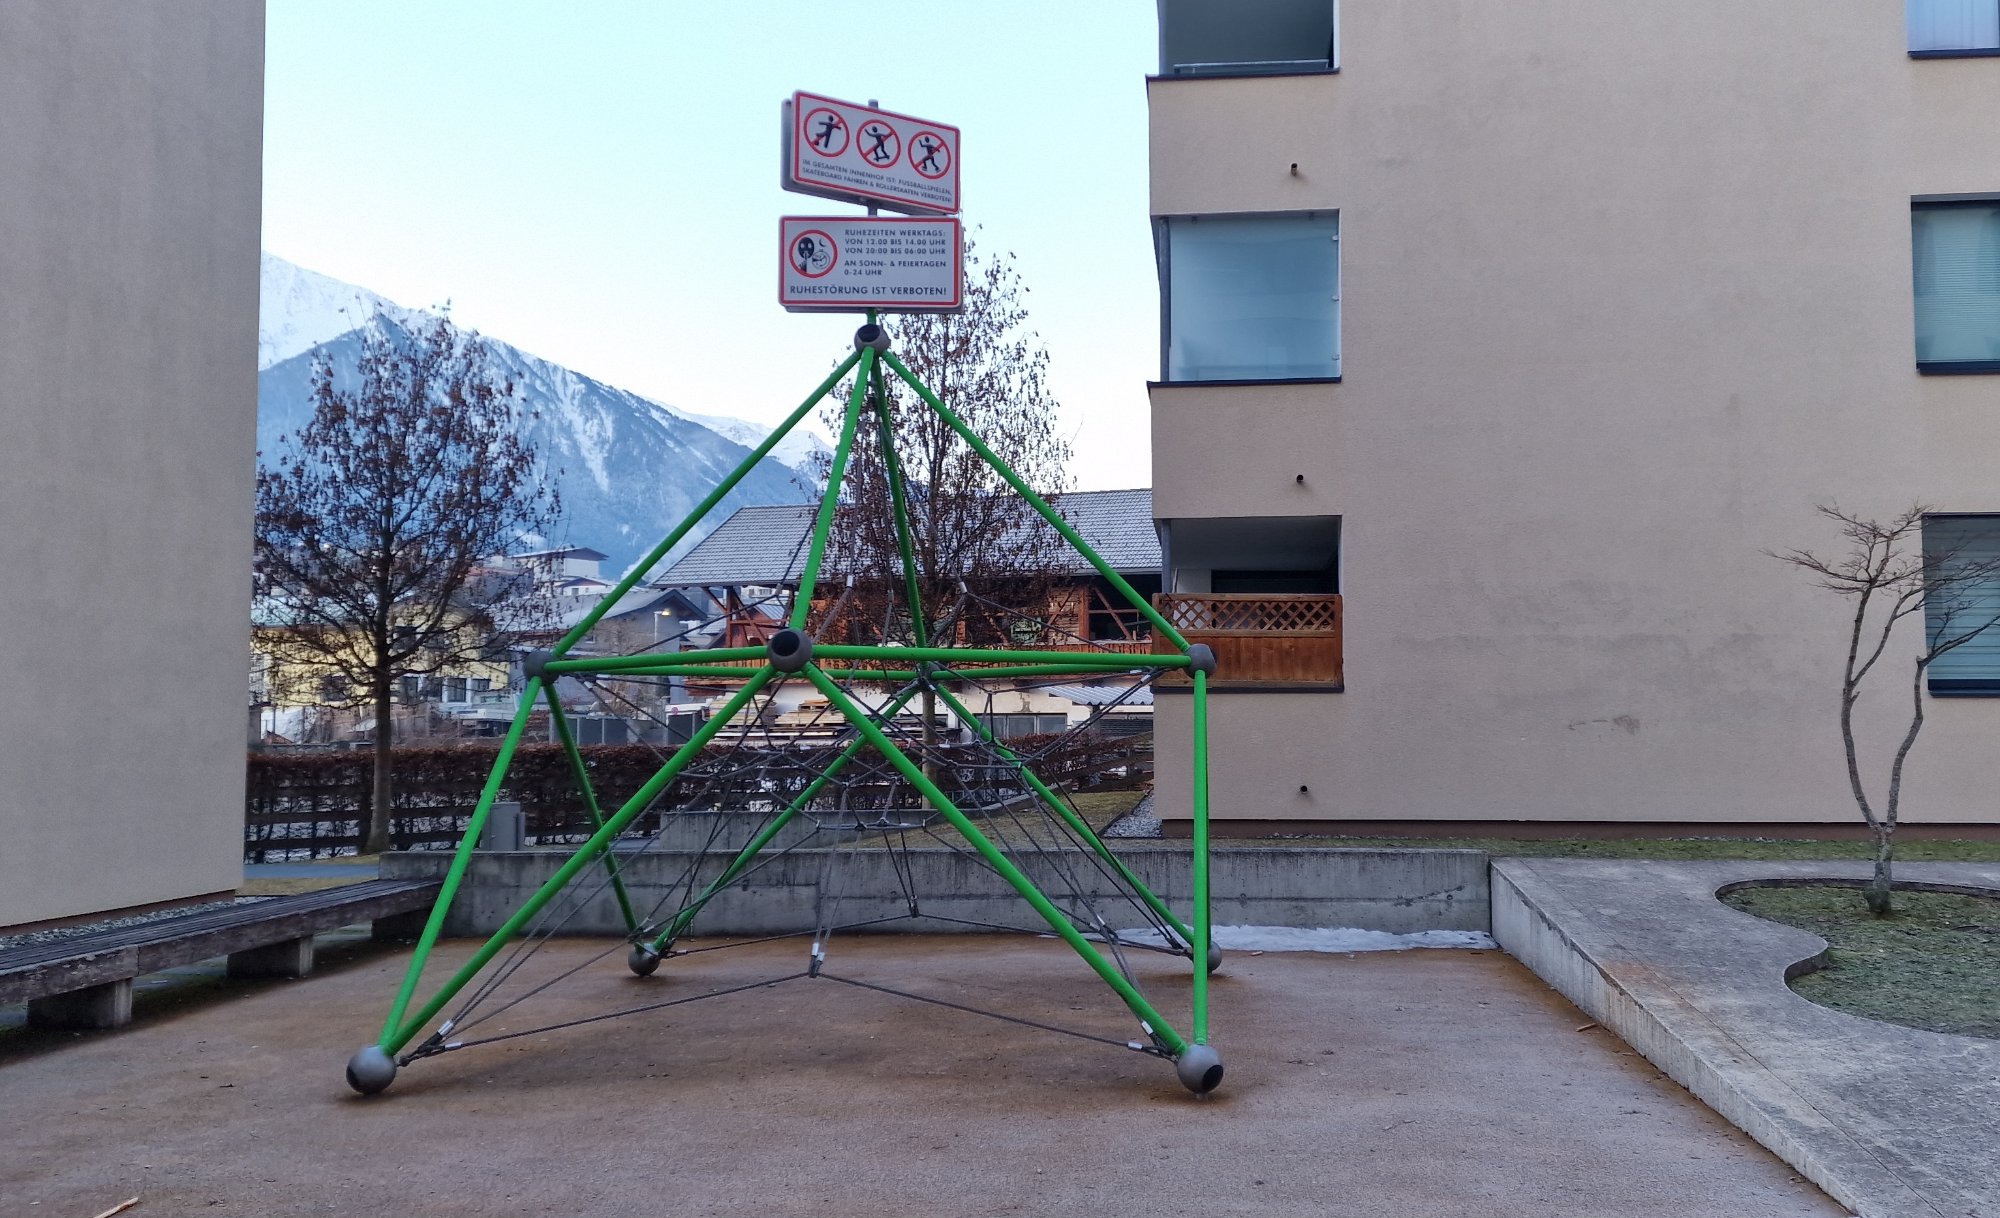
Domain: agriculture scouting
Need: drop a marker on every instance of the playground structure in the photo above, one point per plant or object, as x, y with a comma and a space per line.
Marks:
882, 782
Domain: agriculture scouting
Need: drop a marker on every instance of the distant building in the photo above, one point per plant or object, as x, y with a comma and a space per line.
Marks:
130, 162
570, 571
750, 567
1499, 343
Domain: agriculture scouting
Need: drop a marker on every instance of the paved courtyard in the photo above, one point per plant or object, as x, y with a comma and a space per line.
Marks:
1379, 1084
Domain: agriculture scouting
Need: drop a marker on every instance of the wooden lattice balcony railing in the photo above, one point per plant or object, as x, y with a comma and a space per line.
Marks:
1261, 638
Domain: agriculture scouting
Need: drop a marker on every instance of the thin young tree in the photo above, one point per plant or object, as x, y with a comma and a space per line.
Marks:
986, 564
377, 522
1889, 575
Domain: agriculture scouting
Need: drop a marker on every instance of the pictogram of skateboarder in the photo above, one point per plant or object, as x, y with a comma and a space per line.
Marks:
879, 145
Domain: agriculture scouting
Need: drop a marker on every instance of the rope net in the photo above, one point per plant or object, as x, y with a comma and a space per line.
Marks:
790, 771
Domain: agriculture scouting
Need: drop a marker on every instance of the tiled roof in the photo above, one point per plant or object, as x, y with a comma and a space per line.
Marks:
767, 545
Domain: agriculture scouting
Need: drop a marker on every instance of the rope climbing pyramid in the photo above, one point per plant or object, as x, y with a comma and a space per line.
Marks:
876, 784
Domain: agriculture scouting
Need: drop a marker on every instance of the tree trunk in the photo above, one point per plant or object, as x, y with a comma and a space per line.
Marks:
1877, 892
930, 734
377, 841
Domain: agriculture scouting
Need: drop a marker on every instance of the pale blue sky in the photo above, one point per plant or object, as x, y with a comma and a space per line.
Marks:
597, 182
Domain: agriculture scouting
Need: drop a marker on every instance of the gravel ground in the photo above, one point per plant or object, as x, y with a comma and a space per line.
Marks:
1378, 1086
55, 933
1139, 822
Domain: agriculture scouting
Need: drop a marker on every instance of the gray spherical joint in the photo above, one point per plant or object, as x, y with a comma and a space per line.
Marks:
536, 664
871, 337
1214, 957
1201, 658
642, 960
370, 1071
1200, 1069
791, 650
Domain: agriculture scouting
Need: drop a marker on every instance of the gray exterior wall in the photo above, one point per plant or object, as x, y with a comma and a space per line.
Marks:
1625, 290
130, 191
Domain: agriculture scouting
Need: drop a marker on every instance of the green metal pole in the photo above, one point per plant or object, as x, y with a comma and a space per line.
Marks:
1091, 660
1154, 1023
664, 659
582, 773
912, 589
1026, 670
1075, 661
394, 1040
1076, 823
899, 675
645, 565
459, 861
1040, 505
823, 523
1203, 926
884, 676
764, 836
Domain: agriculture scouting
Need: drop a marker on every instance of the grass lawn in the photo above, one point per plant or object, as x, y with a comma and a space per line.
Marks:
1662, 847
1933, 964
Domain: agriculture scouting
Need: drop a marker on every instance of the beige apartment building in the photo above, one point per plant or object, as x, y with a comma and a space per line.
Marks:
131, 150
1500, 342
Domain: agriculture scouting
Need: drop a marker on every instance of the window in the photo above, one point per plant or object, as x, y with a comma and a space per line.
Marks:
1954, 27
1251, 298
1955, 255
1961, 542
1270, 583
1247, 37
1012, 727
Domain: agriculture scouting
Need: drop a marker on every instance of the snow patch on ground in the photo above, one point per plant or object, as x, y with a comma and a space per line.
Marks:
1324, 939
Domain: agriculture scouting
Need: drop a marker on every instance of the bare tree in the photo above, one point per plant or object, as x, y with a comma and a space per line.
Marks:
376, 522
986, 563
1889, 576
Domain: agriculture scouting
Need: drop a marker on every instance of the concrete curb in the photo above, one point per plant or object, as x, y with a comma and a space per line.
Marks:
1399, 891
1890, 1121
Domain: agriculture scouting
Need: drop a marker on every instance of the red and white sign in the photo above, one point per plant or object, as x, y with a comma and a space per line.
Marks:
860, 154
850, 264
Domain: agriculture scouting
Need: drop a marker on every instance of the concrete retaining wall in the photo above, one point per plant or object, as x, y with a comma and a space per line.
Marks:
1399, 891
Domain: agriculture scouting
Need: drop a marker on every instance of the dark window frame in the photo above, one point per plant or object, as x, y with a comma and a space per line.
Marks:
1972, 367
1221, 69
1961, 687
1951, 52
1163, 257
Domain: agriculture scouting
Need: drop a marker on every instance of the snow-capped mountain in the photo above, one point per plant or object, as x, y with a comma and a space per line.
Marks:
631, 467
300, 309
798, 450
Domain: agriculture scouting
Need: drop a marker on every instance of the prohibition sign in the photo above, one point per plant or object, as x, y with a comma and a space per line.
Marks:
930, 156
826, 132
880, 145
813, 253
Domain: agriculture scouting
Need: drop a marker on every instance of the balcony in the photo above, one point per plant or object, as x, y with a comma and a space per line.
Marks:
1247, 37
1266, 641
